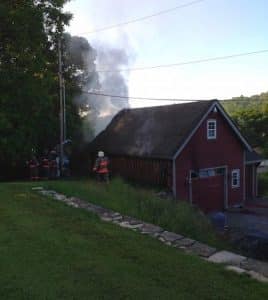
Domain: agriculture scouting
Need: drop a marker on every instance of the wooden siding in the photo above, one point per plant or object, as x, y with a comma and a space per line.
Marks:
143, 170
201, 153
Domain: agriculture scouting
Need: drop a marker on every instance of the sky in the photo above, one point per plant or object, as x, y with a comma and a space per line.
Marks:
209, 28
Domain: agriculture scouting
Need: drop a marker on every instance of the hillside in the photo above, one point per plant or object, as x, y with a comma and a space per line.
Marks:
240, 103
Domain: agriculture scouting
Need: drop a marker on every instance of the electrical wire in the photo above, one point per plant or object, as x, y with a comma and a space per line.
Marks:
162, 99
191, 62
142, 18
139, 98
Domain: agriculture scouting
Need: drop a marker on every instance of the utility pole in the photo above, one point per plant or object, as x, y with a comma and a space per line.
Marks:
61, 104
64, 111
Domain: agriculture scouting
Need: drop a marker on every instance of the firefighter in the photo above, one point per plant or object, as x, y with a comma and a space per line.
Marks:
53, 165
101, 167
33, 166
45, 166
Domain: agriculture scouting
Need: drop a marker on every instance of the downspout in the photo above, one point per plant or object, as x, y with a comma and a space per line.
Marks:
226, 187
256, 181
174, 177
244, 178
190, 188
253, 181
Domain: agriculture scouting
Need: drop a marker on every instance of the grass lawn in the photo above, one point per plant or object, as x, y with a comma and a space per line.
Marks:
52, 251
176, 216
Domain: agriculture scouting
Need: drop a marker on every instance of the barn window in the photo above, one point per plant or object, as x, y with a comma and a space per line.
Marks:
203, 173
235, 178
211, 129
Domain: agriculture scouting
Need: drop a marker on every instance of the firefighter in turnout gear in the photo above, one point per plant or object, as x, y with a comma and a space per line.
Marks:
53, 165
101, 167
33, 167
45, 166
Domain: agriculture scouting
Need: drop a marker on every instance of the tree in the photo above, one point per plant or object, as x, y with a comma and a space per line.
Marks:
251, 116
29, 104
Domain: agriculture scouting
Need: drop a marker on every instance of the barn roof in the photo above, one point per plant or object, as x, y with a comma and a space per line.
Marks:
152, 131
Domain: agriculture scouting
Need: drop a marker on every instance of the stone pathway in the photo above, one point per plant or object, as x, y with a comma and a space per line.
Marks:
234, 262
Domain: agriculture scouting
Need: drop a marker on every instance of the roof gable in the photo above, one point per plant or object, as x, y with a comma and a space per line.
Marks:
221, 110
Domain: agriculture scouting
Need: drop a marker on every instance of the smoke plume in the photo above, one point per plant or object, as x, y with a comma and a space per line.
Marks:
97, 111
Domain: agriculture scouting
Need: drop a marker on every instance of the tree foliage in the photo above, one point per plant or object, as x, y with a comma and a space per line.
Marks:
251, 115
29, 103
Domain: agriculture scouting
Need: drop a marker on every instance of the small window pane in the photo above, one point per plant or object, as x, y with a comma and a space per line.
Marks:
211, 129
236, 178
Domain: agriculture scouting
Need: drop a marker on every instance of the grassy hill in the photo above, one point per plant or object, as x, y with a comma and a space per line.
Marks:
52, 251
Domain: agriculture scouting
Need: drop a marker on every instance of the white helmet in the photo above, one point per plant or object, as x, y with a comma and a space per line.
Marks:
100, 154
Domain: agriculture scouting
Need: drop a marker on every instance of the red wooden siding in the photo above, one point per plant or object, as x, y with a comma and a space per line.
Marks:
201, 153
150, 171
208, 193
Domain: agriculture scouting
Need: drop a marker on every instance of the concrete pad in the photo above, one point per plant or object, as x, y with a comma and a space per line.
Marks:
226, 257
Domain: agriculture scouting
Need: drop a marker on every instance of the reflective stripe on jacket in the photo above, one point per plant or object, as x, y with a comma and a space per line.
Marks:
45, 163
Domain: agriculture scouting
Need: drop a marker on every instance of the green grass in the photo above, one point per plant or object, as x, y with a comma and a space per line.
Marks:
52, 251
175, 216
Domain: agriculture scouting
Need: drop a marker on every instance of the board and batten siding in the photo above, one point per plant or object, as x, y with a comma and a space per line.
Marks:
143, 170
201, 153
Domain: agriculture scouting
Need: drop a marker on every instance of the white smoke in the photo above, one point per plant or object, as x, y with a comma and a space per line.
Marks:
97, 111
103, 108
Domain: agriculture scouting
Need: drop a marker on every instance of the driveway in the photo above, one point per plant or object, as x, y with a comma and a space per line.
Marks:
247, 222
249, 229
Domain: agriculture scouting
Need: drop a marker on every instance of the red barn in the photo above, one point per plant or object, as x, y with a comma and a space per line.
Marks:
193, 149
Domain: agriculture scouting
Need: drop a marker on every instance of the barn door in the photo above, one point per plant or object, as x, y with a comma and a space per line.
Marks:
208, 189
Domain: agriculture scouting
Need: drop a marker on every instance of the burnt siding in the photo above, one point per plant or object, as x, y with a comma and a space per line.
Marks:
142, 170
199, 153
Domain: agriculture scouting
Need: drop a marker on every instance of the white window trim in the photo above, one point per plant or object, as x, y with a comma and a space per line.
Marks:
235, 172
215, 130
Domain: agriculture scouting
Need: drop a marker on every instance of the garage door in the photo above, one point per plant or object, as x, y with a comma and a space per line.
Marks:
208, 190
